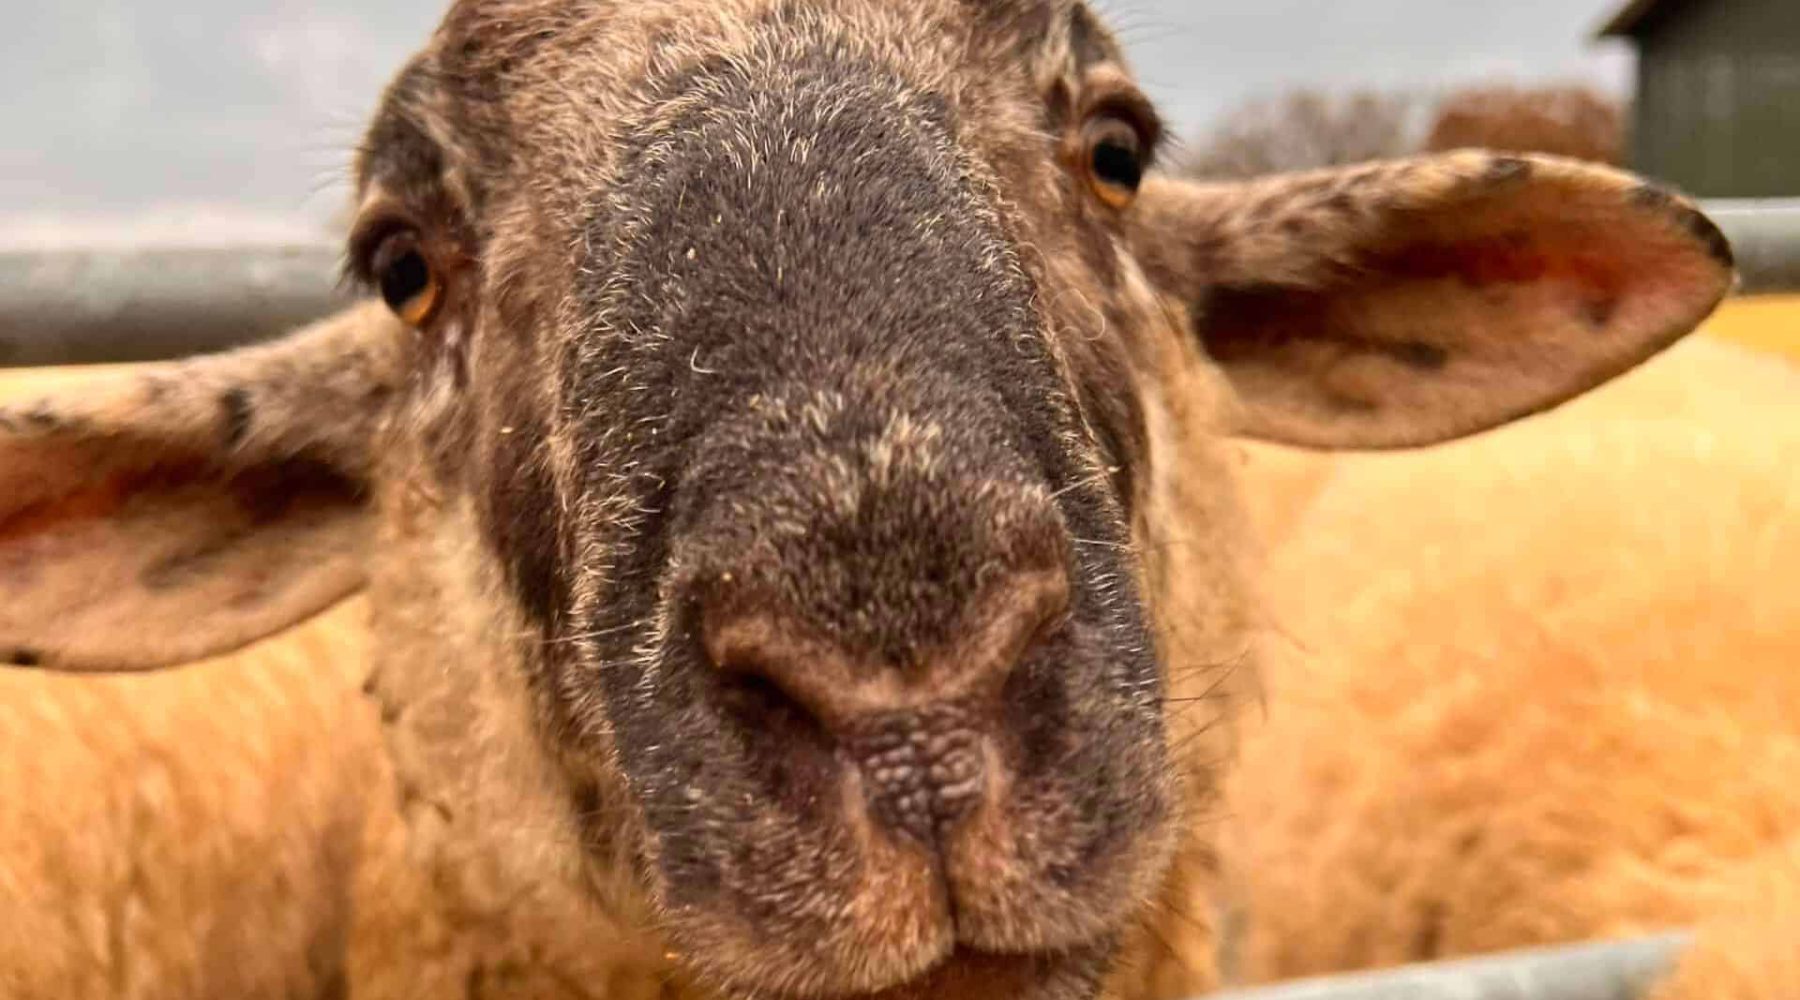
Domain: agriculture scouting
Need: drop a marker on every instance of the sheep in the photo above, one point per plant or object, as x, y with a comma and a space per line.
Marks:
160, 829
193, 834
227, 829
1540, 690
787, 463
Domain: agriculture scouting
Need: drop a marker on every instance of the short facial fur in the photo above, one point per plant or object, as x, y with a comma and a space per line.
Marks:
761, 331
804, 545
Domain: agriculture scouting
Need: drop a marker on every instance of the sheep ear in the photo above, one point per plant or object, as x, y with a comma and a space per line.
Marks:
1415, 301
183, 510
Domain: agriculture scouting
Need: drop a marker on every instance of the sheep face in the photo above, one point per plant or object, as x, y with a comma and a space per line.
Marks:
802, 445
810, 472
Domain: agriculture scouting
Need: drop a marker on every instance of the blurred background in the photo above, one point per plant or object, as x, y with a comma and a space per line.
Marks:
175, 120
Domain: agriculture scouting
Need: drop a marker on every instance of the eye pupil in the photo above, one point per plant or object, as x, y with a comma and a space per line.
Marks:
1117, 163
404, 279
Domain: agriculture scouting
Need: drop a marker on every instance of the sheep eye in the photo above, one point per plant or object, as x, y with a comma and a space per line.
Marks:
408, 282
1115, 161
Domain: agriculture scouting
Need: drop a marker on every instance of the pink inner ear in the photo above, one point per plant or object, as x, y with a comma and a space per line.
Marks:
1449, 319
154, 565
1597, 281
1626, 262
95, 499
1498, 259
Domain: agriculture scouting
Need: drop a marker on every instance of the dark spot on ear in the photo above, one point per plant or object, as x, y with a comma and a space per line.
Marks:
1294, 225
1418, 354
1600, 312
1689, 218
267, 494
1507, 170
1710, 237
39, 419
236, 405
22, 658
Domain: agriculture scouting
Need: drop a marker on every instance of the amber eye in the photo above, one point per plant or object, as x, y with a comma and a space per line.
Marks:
409, 284
1115, 160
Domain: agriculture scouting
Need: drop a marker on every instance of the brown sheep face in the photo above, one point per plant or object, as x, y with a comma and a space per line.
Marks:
814, 409
831, 544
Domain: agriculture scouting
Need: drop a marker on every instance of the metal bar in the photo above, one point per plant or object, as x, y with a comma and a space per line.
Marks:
93, 306
1766, 236
1612, 971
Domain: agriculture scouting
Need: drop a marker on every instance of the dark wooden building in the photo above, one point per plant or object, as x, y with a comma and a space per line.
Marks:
1718, 100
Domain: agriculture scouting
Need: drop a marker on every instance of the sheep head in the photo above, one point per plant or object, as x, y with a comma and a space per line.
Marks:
811, 413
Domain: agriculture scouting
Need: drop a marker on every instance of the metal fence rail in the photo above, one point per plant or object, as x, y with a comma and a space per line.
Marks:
1766, 236
81, 307
69, 307
1613, 971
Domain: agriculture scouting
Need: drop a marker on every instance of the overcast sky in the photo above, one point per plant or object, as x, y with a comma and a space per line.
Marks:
240, 111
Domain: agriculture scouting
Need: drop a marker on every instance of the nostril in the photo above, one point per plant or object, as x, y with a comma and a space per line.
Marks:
766, 653
1016, 615
915, 727
841, 682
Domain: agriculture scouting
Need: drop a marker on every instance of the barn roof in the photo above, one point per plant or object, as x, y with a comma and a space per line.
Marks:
1631, 17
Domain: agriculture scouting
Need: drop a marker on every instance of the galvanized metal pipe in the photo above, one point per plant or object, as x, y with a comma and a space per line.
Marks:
66, 307
1611, 971
1766, 236
91, 306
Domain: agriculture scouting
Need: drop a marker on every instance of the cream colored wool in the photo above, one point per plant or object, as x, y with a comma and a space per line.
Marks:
1540, 688
188, 834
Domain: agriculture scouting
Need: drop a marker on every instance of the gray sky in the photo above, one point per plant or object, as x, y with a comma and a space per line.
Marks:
190, 114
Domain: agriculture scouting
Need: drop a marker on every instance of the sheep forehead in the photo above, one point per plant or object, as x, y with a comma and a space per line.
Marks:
534, 84
518, 111
560, 29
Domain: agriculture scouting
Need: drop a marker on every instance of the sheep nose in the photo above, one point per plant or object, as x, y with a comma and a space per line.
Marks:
850, 690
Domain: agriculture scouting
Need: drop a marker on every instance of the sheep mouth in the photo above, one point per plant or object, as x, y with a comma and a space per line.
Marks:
974, 912
989, 846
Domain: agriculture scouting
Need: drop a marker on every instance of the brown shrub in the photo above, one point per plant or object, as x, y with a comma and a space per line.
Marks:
1566, 120
1303, 130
